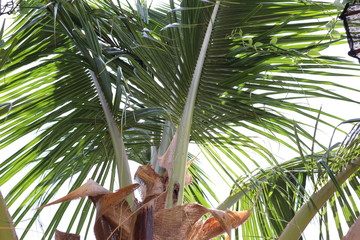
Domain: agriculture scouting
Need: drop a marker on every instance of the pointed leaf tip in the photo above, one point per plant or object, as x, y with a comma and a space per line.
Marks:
89, 189
223, 222
171, 25
313, 53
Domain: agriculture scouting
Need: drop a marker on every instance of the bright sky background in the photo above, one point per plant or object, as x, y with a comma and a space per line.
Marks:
344, 110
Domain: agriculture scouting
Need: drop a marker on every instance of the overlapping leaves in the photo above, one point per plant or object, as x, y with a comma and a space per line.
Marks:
145, 69
149, 219
283, 190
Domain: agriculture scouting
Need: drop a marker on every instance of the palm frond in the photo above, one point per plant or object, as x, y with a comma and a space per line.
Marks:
258, 68
279, 193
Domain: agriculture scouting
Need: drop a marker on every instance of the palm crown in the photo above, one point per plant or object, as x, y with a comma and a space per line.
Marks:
99, 82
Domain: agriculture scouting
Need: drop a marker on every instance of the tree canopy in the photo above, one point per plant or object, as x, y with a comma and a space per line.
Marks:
94, 84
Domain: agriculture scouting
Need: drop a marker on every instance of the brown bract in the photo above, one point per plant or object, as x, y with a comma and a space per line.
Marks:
167, 160
220, 223
113, 217
150, 220
66, 236
185, 222
354, 231
151, 184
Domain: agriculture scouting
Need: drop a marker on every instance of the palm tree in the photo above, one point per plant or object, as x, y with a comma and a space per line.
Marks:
95, 83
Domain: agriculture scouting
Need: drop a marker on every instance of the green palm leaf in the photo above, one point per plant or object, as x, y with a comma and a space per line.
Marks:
280, 193
257, 68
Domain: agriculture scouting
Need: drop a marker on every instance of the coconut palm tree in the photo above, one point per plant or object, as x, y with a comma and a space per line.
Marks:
92, 85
